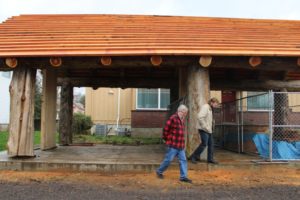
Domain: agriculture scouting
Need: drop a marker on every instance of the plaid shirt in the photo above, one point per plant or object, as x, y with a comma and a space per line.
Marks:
173, 132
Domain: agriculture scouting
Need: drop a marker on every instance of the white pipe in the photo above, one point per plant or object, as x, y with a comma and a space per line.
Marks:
118, 115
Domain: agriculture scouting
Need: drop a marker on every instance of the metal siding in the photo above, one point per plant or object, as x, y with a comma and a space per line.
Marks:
4, 99
102, 105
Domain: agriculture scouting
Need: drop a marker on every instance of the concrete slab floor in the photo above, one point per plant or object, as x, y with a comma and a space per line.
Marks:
112, 158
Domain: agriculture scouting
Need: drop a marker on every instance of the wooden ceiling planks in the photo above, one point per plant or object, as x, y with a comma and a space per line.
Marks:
137, 35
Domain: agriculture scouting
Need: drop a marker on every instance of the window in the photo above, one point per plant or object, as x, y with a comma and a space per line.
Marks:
6, 74
259, 101
153, 98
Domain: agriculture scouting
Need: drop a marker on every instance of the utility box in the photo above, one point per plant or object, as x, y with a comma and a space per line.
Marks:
123, 132
101, 129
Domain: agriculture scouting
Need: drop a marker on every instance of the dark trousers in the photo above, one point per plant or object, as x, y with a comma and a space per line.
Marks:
206, 141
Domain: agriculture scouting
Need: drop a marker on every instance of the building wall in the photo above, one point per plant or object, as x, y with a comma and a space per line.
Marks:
216, 94
102, 105
4, 98
294, 100
148, 118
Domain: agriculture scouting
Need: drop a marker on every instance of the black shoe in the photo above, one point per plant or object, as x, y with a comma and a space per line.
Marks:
198, 159
213, 162
160, 176
194, 158
186, 180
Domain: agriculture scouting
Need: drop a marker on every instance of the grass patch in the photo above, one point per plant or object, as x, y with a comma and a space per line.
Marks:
117, 140
4, 139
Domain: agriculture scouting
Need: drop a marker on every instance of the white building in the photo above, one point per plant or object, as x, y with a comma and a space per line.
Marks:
5, 78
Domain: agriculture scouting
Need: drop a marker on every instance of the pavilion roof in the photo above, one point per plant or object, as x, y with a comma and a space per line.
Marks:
134, 35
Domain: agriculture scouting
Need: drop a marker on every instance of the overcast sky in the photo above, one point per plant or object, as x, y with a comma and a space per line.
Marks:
267, 9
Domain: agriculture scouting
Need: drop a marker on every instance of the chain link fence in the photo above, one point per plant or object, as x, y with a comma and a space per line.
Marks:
267, 123
285, 126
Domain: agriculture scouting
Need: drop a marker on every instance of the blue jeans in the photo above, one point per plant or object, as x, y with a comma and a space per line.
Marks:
206, 141
171, 153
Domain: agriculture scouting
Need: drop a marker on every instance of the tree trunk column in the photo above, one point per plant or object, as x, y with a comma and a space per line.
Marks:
48, 118
21, 129
198, 93
66, 113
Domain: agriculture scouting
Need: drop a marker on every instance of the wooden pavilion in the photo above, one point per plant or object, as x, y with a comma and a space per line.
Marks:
189, 55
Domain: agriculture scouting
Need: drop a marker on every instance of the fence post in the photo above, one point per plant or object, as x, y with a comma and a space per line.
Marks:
242, 120
238, 126
271, 100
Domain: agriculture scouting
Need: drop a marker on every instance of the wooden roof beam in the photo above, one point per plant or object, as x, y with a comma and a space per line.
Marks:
254, 85
156, 60
106, 60
11, 62
141, 82
55, 61
235, 62
254, 61
205, 61
245, 62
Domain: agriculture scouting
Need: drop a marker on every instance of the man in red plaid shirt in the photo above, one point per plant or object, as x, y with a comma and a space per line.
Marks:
173, 135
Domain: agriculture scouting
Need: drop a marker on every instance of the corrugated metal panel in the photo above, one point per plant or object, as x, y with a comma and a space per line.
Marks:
101, 105
96, 35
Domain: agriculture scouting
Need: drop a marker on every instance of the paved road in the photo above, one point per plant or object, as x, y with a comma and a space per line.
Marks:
58, 190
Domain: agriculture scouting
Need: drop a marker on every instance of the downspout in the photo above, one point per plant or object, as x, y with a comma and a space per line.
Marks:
118, 111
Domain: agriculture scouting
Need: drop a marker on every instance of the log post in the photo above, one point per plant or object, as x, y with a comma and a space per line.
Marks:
66, 113
205, 61
21, 129
198, 93
105, 60
254, 61
55, 61
48, 118
156, 60
11, 62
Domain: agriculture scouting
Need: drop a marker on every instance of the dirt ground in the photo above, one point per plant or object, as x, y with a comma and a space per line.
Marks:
229, 183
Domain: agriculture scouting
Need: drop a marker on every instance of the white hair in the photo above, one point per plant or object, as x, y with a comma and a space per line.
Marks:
182, 108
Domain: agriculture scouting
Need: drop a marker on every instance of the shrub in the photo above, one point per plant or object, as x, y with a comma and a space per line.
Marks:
81, 123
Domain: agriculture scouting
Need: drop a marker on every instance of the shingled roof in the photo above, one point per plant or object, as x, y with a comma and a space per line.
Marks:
133, 35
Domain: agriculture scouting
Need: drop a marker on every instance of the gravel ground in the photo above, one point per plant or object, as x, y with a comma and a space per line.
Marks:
57, 190
267, 183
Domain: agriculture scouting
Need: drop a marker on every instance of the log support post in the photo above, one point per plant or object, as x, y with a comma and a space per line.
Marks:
66, 113
198, 93
21, 129
48, 119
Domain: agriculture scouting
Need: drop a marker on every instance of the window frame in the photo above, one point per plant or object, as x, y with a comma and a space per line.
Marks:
158, 96
255, 109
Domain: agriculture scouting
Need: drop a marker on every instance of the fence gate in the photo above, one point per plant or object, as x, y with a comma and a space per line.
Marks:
284, 120
267, 123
